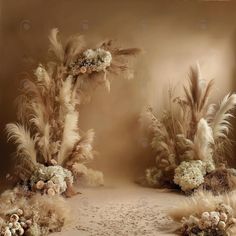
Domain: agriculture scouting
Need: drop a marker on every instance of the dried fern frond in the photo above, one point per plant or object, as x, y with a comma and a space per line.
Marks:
25, 143
220, 118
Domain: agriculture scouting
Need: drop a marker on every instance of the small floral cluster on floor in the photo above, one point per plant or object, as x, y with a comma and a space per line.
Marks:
25, 213
190, 140
205, 214
216, 222
17, 224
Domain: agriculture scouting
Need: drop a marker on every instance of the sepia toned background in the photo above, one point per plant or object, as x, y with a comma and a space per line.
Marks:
174, 34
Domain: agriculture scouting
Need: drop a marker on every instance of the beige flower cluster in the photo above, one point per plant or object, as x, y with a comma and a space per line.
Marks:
91, 60
189, 175
216, 222
51, 180
16, 225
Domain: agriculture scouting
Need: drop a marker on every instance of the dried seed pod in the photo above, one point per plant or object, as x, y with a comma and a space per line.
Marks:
40, 185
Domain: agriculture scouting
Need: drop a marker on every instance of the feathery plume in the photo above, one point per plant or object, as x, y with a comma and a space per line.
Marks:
220, 122
202, 140
56, 46
70, 135
21, 137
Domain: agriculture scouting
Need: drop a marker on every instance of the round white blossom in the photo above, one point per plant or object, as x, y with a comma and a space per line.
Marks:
190, 175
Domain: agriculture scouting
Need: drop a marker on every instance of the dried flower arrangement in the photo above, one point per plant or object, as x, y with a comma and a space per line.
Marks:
48, 136
52, 151
206, 214
190, 140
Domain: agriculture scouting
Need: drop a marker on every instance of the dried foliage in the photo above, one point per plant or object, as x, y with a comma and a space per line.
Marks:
220, 180
190, 130
206, 214
48, 111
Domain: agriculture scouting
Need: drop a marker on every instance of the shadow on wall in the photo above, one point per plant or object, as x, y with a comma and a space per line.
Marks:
173, 34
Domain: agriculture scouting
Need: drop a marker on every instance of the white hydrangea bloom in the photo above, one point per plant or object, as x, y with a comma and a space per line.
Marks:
190, 175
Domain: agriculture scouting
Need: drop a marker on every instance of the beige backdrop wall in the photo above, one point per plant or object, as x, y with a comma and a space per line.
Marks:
173, 35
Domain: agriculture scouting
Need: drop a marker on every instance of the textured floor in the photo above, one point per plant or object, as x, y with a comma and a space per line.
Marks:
123, 210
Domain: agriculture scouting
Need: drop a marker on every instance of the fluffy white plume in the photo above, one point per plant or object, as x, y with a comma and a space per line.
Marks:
44, 142
21, 137
220, 124
66, 96
70, 135
55, 45
202, 140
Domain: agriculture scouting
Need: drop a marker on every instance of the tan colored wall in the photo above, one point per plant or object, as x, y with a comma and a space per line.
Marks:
174, 34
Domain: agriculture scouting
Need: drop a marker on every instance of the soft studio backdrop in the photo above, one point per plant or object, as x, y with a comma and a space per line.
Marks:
173, 36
